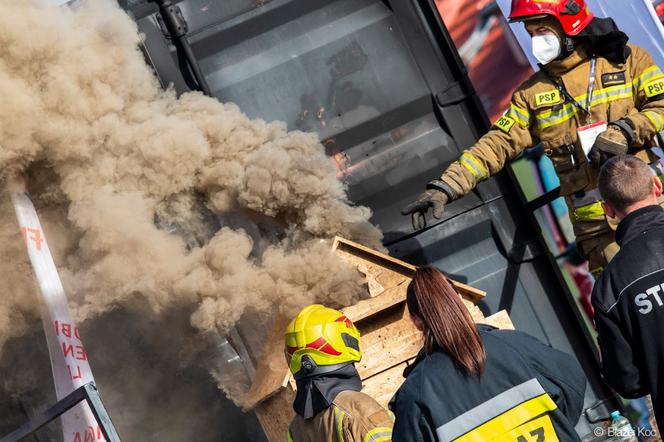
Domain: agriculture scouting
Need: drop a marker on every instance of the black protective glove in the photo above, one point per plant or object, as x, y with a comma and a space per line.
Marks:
615, 140
429, 198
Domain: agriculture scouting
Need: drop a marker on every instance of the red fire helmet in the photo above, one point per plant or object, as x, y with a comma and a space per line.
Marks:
573, 15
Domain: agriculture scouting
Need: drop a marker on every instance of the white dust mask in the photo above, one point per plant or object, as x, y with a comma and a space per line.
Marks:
546, 48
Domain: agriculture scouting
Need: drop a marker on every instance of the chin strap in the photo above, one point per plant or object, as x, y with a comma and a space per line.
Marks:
567, 48
569, 44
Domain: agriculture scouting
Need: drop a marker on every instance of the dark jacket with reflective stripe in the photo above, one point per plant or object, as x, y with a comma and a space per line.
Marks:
629, 309
527, 387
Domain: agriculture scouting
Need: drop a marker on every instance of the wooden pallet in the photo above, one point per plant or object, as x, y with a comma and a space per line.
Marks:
389, 340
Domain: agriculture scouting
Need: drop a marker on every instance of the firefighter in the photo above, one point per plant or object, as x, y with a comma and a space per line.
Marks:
473, 382
594, 97
627, 297
322, 346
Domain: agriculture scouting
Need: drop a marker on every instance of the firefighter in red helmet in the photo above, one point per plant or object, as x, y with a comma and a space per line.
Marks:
595, 96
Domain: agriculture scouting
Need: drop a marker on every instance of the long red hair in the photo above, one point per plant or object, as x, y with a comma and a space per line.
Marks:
446, 322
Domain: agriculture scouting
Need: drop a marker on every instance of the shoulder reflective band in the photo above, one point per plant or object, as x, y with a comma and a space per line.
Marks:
656, 120
654, 87
588, 213
505, 124
502, 413
339, 418
380, 434
548, 98
474, 166
520, 115
646, 76
289, 437
540, 429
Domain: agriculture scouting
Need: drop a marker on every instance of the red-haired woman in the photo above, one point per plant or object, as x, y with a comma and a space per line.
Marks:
477, 383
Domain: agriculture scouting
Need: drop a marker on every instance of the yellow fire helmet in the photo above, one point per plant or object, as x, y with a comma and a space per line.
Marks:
320, 340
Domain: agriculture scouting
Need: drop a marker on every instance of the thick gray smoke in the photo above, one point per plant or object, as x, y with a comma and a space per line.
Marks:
174, 204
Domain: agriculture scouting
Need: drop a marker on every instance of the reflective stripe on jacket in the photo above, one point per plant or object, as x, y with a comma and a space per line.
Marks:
353, 417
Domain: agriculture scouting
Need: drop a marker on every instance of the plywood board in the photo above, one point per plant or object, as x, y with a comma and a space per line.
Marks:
275, 414
388, 346
372, 306
272, 373
385, 271
467, 291
500, 320
474, 311
386, 261
383, 385
382, 271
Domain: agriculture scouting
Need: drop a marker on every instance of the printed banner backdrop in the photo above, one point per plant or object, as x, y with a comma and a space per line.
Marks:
69, 361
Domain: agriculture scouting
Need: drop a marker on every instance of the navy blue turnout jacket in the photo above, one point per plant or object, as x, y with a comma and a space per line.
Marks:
528, 391
629, 309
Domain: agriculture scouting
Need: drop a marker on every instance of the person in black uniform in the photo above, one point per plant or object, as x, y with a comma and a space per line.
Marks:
629, 296
474, 382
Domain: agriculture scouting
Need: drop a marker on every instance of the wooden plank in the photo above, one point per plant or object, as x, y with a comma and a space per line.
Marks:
387, 261
469, 292
383, 385
381, 273
474, 310
389, 346
500, 320
368, 307
275, 414
271, 372
372, 306
358, 253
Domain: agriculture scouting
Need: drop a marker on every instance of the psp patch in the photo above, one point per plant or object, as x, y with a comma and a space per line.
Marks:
654, 87
548, 98
505, 124
613, 78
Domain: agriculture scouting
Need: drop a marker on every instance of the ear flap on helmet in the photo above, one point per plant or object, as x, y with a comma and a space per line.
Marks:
350, 341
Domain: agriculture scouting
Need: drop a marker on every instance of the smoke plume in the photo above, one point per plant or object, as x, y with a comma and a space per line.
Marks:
171, 204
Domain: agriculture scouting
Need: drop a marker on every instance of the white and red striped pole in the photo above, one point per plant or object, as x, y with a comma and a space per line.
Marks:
69, 360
